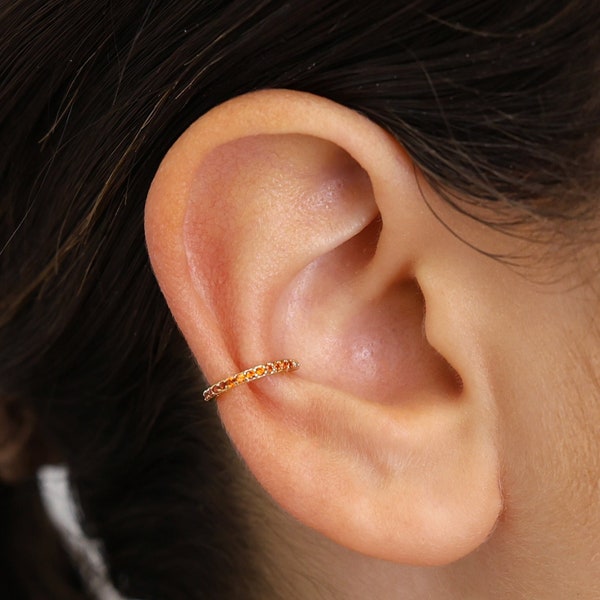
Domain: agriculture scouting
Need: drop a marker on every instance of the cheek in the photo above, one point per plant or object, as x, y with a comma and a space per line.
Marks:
541, 358
577, 445
549, 402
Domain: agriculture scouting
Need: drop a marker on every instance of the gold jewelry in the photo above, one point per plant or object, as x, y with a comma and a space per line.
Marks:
270, 368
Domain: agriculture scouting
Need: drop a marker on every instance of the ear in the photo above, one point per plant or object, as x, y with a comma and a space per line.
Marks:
283, 225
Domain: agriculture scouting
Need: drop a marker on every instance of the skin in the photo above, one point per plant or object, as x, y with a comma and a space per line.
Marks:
441, 437
545, 544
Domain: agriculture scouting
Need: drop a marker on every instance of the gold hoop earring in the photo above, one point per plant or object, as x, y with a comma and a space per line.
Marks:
271, 368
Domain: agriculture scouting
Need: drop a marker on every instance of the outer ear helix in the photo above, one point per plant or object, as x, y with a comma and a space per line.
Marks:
271, 368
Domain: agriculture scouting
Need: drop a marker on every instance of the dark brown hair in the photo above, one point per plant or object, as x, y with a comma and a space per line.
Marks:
495, 101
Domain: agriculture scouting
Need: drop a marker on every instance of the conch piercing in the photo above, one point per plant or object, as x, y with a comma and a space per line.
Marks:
279, 366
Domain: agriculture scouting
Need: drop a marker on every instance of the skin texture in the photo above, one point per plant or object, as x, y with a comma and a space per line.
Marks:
446, 413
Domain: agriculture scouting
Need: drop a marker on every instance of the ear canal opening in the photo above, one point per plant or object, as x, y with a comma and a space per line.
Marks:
369, 237
360, 249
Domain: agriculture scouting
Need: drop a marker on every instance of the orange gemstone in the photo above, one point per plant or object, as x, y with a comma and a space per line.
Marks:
260, 370
240, 378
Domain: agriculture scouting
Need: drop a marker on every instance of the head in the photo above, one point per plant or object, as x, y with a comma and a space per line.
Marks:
405, 199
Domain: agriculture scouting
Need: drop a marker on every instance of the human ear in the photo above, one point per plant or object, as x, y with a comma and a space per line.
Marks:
280, 225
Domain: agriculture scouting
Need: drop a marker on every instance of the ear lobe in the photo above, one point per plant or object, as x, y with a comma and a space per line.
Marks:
284, 225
